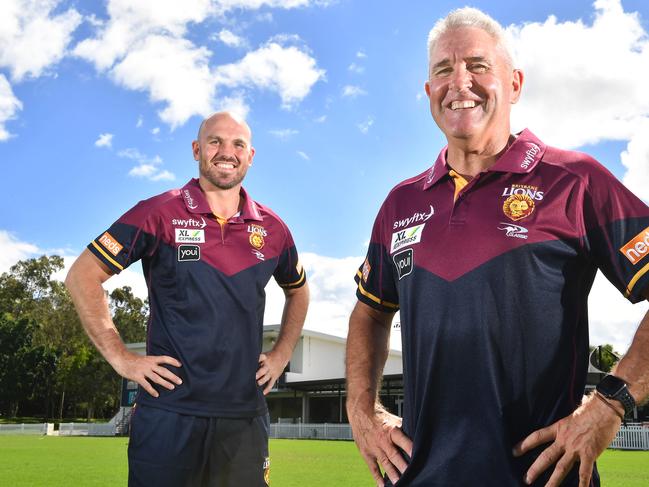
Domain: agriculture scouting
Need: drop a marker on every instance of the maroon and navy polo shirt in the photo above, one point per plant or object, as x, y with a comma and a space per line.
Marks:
206, 280
492, 286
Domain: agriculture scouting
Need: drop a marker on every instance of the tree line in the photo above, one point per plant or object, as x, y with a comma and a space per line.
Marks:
48, 366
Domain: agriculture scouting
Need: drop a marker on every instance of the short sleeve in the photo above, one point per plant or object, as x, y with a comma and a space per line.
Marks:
617, 230
126, 241
289, 273
375, 277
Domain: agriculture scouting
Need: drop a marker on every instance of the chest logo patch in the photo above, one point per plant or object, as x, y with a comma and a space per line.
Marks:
257, 240
403, 262
518, 206
512, 230
189, 236
189, 253
407, 236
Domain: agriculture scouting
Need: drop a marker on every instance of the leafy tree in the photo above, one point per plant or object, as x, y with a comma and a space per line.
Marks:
605, 357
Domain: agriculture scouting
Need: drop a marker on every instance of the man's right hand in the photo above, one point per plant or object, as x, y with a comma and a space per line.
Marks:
378, 436
147, 369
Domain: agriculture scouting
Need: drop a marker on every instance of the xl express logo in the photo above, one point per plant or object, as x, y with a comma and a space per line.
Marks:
189, 236
407, 236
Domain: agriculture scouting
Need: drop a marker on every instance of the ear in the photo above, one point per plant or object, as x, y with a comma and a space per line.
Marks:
427, 88
517, 85
252, 155
196, 150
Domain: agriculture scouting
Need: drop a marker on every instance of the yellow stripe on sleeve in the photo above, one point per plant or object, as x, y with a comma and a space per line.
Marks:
299, 281
387, 304
635, 279
108, 257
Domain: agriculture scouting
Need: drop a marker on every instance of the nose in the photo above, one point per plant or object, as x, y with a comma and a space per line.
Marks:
461, 79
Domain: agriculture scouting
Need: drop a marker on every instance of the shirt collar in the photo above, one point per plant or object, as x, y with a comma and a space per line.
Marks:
195, 202
521, 157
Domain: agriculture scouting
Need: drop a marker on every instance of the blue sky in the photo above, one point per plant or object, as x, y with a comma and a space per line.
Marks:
99, 102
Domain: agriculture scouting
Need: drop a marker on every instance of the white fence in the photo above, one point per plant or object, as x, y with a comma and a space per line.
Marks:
86, 429
311, 430
23, 429
632, 437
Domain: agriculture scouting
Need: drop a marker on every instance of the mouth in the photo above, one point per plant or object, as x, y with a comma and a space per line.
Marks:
462, 104
225, 165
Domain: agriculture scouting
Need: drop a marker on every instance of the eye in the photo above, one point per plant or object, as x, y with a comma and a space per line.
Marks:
442, 71
478, 68
240, 145
215, 142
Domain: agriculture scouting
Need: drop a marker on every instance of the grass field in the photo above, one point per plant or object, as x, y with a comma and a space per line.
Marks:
35, 461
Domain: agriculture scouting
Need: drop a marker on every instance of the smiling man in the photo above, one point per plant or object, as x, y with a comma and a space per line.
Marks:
492, 286
208, 250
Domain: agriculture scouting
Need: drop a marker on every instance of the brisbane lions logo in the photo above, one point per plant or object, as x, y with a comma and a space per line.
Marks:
518, 206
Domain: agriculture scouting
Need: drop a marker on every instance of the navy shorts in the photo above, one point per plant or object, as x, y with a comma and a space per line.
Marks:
168, 449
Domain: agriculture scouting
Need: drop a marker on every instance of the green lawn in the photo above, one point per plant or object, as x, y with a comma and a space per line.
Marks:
51, 462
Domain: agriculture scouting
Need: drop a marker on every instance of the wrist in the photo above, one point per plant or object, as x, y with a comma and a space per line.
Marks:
613, 407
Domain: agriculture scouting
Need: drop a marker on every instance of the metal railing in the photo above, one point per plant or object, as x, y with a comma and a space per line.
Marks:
23, 429
86, 429
321, 431
632, 437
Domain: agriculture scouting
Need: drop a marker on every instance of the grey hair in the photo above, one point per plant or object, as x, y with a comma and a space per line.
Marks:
470, 17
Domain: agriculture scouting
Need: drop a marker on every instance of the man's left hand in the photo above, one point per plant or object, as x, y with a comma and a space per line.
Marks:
271, 366
578, 438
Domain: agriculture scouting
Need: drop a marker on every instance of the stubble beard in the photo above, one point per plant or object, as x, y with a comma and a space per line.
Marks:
219, 182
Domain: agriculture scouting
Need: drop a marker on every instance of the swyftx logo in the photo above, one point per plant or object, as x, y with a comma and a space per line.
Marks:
188, 253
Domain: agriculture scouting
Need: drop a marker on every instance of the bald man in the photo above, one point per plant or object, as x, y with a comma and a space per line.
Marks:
207, 250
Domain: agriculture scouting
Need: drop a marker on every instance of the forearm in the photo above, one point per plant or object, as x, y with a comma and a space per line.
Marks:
367, 350
293, 316
85, 287
634, 366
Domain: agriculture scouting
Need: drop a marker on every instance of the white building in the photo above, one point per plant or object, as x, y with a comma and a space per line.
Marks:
312, 389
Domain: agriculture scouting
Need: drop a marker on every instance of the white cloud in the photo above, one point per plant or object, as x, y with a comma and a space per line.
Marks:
236, 104
353, 91
288, 71
356, 68
9, 105
104, 140
636, 160
283, 134
585, 81
173, 71
320, 119
155, 130
147, 167
333, 293
32, 38
130, 23
139, 122
613, 319
230, 39
303, 155
223, 6
143, 47
365, 126
14, 250
361, 54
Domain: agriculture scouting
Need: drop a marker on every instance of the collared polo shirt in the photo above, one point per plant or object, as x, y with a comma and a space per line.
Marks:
206, 283
492, 287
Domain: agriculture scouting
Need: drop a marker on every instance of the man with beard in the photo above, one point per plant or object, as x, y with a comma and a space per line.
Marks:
489, 256
207, 250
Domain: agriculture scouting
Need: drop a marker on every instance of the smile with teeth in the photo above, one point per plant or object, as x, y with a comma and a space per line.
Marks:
456, 105
225, 165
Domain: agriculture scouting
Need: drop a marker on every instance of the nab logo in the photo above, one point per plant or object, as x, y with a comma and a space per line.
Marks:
403, 262
188, 253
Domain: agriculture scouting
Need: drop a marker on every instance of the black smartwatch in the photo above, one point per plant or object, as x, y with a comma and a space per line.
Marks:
612, 387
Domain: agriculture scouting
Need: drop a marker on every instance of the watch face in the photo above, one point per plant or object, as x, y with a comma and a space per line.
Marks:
611, 386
